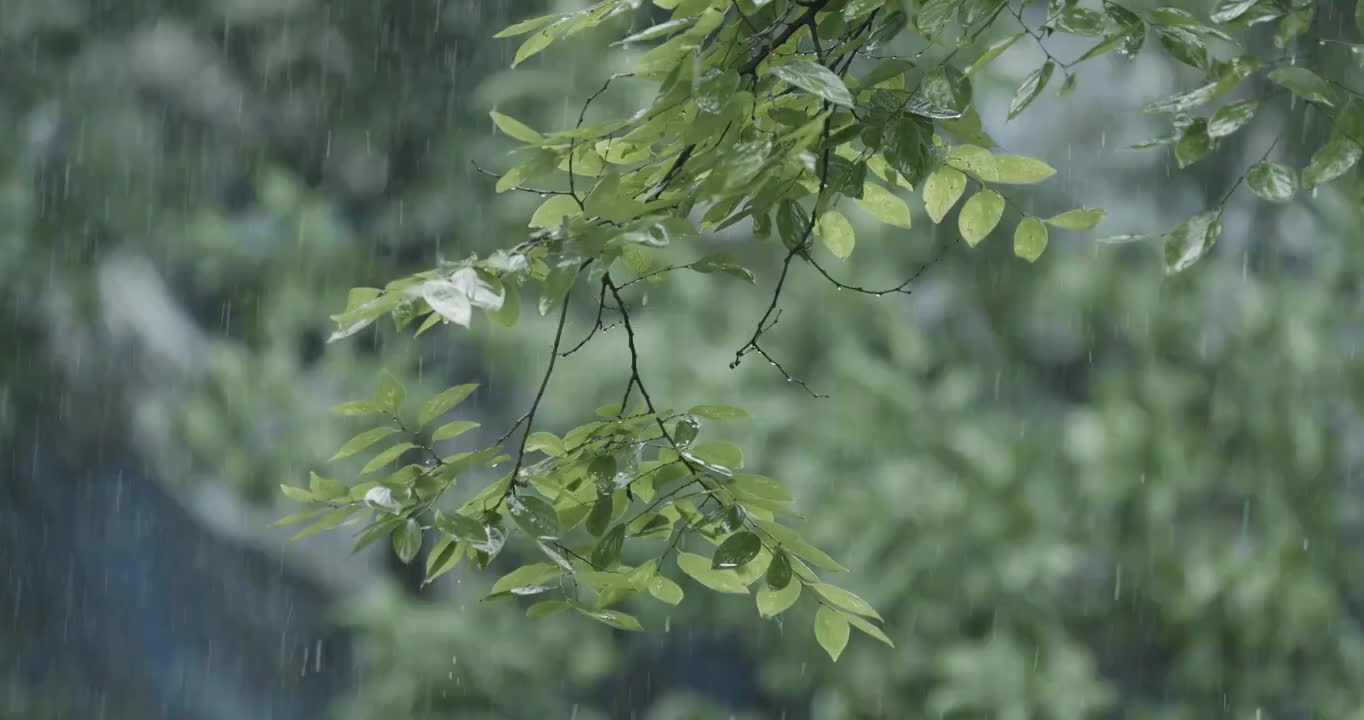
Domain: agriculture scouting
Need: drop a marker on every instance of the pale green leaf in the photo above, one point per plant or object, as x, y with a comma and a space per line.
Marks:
942, 189
699, 569
666, 590
1305, 84
884, 205
1077, 219
816, 79
1030, 239
1030, 88
516, 129
836, 233
867, 627
363, 441
552, 212
1272, 181
1020, 170
774, 602
1329, 162
845, 600
444, 402
979, 215
387, 456
719, 412
453, 429
831, 631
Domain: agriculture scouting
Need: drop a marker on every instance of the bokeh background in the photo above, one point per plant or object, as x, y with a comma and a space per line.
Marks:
1077, 489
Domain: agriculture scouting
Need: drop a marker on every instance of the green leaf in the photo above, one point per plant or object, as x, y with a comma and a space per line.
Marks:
1190, 240
979, 215
1020, 170
719, 452
837, 233
1228, 10
657, 31
546, 443
884, 205
1329, 162
1305, 84
534, 515
325, 488
599, 518
516, 129
831, 631
602, 470
1030, 239
327, 522
942, 189
607, 551
1184, 46
553, 212
363, 442
453, 429
387, 456
1230, 118
1272, 181
1077, 219
934, 15
444, 402
846, 600
1030, 88
738, 549
867, 627
534, 44
407, 540
534, 575
816, 79
391, 393
460, 526
723, 263
779, 571
1193, 143
772, 603
356, 408
298, 494
1183, 102
443, 558
698, 568
666, 590
719, 412
760, 486
614, 618
973, 160
526, 26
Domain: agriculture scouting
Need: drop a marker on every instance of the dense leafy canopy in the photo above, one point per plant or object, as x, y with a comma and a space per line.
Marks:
779, 114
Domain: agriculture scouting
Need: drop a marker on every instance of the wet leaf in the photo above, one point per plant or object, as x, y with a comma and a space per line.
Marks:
665, 590
738, 549
836, 233
1030, 88
607, 551
1230, 118
867, 627
453, 429
845, 600
779, 571
1020, 170
775, 602
942, 189
1077, 219
884, 205
1030, 239
614, 618
516, 129
831, 631
1272, 181
979, 215
1332, 160
407, 540
699, 569
534, 515
444, 402
816, 79
1305, 84
1188, 242
552, 212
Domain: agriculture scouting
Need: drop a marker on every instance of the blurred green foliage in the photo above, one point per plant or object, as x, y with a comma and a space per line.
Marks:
1084, 490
